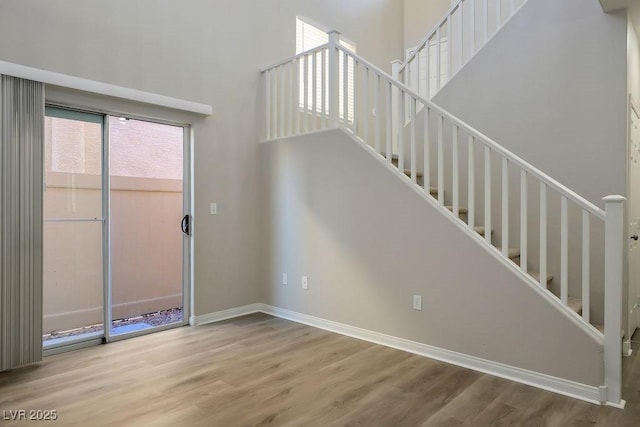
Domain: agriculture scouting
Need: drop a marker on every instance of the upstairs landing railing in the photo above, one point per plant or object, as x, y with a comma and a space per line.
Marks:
467, 26
330, 87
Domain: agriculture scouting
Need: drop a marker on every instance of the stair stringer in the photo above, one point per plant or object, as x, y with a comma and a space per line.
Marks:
476, 303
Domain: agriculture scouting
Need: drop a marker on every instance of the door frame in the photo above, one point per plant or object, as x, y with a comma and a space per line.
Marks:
633, 287
187, 240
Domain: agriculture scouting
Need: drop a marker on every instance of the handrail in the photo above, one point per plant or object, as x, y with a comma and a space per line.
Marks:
430, 34
570, 194
295, 57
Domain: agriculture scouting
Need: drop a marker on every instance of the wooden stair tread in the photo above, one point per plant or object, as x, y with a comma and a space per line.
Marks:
393, 156
418, 174
480, 229
575, 304
461, 209
512, 253
536, 275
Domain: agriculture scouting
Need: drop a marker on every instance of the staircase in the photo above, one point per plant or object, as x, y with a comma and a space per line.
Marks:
465, 175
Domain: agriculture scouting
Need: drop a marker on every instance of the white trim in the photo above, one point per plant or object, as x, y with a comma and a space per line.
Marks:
562, 386
218, 316
92, 86
546, 382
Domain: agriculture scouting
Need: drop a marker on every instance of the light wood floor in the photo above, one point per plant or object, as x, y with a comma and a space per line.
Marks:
260, 370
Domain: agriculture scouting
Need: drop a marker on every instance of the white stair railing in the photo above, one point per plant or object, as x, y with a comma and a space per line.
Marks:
442, 156
464, 30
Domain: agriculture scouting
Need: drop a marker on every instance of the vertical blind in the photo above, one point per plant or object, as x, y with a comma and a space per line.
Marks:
21, 186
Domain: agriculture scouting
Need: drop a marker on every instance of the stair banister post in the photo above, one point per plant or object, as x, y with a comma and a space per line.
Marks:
395, 106
334, 71
613, 245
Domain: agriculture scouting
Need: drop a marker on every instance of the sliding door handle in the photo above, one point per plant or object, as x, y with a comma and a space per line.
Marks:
185, 225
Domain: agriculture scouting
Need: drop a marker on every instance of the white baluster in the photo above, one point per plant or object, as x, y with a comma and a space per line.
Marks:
438, 60
461, 35
314, 91
377, 114
414, 174
267, 102
355, 64
345, 88
281, 102
487, 194
523, 221
586, 263
486, 20
428, 71
505, 207
400, 131
471, 203
323, 95
455, 178
449, 48
299, 105
274, 105
440, 160
305, 108
564, 251
389, 121
292, 108
472, 25
365, 102
543, 234
396, 115
427, 149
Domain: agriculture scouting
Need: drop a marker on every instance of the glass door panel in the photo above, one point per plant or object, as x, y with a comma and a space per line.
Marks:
73, 227
146, 207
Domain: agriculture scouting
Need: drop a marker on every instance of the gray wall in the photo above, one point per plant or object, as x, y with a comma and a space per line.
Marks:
368, 242
205, 51
550, 87
420, 17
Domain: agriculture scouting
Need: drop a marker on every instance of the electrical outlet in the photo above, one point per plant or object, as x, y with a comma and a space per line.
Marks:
284, 278
213, 209
417, 302
305, 282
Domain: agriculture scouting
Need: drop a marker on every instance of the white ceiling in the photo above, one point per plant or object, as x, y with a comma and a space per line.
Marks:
610, 5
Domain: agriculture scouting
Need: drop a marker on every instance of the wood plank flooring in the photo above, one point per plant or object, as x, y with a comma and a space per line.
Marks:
259, 370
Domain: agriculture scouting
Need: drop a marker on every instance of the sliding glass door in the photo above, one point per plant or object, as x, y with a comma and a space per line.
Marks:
146, 208
73, 303
116, 238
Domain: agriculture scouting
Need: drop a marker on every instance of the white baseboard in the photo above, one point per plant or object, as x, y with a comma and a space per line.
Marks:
225, 314
546, 382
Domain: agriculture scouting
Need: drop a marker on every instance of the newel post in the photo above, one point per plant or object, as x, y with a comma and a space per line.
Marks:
334, 86
614, 247
395, 106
